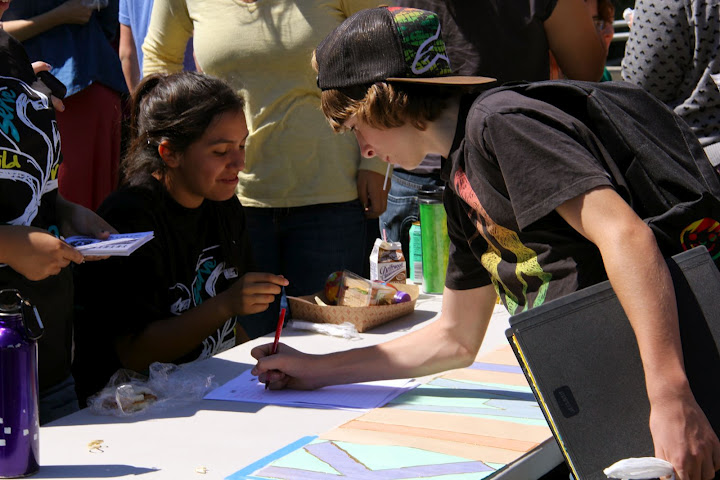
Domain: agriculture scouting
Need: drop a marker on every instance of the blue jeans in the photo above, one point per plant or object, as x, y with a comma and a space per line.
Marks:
305, 244
402, 207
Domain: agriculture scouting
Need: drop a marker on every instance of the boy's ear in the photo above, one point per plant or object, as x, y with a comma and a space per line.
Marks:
168, 155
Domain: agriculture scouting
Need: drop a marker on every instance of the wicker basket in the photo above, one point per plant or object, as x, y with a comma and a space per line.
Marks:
364, 318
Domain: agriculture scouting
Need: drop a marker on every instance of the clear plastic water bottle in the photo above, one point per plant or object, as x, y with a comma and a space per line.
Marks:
19, 414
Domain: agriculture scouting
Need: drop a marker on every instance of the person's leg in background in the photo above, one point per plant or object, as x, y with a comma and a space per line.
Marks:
305, 244
90, 135
58, 401
264, 239
402, 209
372, 232
320, 239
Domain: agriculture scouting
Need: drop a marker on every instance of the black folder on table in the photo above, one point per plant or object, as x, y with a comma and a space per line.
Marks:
581, 359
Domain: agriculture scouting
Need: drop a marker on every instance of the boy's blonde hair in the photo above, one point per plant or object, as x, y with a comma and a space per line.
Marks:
385, 105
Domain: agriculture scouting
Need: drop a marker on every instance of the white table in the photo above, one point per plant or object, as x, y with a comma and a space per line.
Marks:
223, 437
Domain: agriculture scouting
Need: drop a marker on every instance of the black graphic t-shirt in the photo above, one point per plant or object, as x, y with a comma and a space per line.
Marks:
516, 158
196, 254
513, 163
29, 161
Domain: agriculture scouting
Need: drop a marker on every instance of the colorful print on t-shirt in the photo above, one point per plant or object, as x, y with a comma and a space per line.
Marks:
503, 244
208, 281
29, 151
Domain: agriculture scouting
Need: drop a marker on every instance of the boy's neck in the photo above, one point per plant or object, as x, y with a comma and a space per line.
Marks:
441, 132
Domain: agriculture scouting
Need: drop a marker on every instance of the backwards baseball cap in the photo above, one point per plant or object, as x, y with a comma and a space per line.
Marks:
394, 44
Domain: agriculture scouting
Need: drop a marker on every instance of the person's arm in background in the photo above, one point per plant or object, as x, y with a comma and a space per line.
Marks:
681, 433
167, 37
574, 42
70, 12
37, 254
128, 57
370, 186
371, 171
451, 341
647, 52
74, 219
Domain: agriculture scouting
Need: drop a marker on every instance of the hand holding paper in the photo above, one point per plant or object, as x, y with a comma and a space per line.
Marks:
121, 244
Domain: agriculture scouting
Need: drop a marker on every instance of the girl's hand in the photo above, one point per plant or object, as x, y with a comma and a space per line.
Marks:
254, 292
35, 253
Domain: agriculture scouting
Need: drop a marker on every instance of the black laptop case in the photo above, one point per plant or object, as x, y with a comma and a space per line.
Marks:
580, 356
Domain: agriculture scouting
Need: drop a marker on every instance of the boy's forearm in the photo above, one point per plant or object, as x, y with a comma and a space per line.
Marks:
652, 311
640, 277
451, 341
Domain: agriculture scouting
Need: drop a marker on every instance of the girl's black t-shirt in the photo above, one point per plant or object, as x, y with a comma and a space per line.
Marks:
194, 255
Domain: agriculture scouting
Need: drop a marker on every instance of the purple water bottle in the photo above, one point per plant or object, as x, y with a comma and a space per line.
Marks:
19, 415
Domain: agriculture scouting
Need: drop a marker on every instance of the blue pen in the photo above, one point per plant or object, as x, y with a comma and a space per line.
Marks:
281, 321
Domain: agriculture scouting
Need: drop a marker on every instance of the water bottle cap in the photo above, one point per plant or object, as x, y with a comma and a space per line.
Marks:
10, 301
431, 194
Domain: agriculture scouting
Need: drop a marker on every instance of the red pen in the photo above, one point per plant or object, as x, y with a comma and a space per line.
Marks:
278, 329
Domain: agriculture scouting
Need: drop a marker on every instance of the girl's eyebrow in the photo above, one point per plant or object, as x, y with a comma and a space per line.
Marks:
225, 140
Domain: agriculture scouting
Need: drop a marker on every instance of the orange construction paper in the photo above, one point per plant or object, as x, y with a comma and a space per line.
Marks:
480, 440
458, 424
463, 450
487, 376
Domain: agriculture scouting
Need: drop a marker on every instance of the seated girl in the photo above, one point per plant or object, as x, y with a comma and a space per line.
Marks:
177, 298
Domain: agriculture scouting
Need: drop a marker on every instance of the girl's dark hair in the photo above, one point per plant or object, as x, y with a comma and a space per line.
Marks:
178, 108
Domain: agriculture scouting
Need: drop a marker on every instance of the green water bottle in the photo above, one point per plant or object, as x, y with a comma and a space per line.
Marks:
435, 240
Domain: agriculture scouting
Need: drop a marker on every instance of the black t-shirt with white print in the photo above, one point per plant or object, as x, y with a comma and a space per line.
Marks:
29, 161
513, 162
185, 264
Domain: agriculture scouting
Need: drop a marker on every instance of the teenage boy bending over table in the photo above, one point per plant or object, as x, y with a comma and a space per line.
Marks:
533, 214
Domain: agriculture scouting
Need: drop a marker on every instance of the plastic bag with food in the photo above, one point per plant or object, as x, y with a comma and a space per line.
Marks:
128, 392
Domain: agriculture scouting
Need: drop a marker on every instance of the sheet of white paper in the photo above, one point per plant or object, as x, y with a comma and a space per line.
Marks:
362, 396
